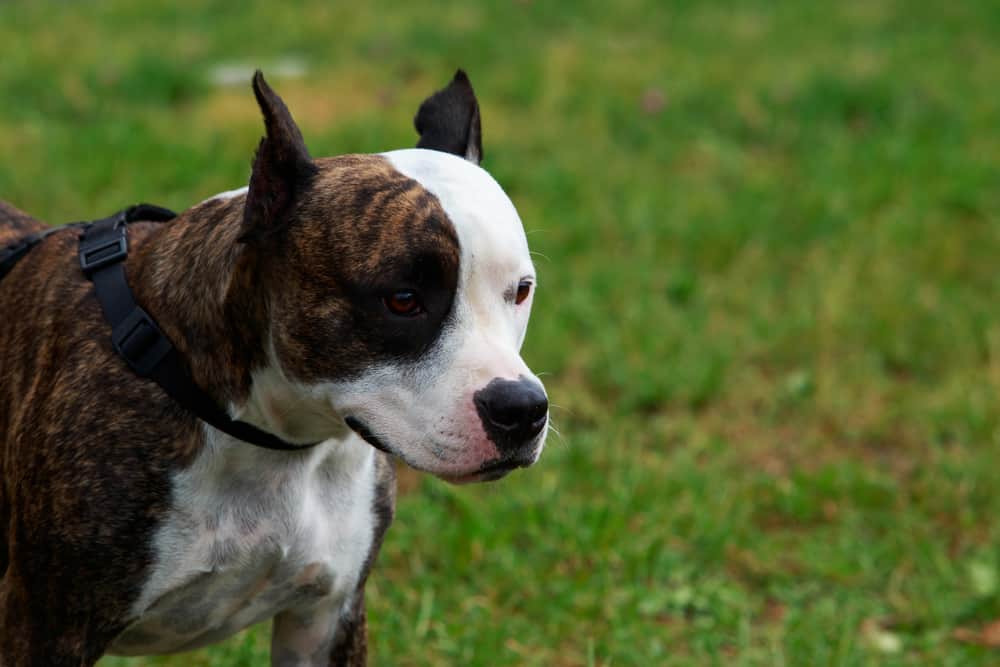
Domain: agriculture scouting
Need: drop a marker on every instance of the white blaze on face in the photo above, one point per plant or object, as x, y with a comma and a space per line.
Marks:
425, 412
494, 249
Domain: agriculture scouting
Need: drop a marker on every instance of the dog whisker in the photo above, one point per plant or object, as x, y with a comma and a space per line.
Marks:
540, 255
557, 432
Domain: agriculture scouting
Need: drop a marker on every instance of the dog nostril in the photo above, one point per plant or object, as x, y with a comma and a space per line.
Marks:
540, 410
539, 423
535, 417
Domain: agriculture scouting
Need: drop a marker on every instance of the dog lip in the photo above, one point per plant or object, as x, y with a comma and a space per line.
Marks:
477, 476
491, 471
504, 465
366, 434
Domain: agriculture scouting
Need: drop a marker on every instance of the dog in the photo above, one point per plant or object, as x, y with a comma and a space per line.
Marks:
358, 308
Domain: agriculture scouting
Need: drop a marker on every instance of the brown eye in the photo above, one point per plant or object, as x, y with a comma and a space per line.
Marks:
404, 303
523, 290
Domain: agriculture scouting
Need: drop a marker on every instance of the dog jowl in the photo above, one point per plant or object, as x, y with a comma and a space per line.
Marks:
373, 304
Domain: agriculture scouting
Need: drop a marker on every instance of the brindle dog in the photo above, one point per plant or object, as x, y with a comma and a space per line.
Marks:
375, 304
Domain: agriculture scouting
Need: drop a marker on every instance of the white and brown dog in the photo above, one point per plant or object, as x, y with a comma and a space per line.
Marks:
374, 304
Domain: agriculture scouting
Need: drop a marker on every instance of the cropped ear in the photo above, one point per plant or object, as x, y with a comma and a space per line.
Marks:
448, 120
280, 167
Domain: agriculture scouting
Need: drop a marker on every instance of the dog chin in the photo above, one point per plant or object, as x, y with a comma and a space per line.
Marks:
490, 471
473, 477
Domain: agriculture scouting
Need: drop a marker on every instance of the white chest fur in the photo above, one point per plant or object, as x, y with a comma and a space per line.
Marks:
252, 533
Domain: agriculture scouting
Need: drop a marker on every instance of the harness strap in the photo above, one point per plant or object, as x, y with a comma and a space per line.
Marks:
14, 252
136, 336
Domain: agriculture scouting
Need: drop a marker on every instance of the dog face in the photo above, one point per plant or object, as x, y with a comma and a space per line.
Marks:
401, 287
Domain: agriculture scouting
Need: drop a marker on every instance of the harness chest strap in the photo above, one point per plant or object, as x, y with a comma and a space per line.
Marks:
136, 336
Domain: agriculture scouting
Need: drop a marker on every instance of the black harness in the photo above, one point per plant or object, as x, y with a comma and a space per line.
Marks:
134, 334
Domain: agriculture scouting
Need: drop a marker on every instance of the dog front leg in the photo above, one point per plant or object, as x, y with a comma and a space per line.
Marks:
321, 636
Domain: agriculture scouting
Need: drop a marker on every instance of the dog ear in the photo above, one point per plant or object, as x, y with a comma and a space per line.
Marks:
448, 120
280, 166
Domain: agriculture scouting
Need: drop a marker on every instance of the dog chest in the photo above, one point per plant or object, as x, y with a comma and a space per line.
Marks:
252, 533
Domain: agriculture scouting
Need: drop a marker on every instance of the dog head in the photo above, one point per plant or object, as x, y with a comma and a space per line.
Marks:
399, 287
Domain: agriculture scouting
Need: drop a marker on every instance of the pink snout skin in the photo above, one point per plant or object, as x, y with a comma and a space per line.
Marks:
472, 458
479, 450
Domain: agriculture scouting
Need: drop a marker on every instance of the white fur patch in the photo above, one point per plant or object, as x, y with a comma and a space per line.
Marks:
251, 533
494, 248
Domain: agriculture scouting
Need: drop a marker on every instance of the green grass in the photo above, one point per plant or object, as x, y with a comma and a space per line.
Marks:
769, 236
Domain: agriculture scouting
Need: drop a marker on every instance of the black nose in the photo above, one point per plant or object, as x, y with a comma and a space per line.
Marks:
513, 412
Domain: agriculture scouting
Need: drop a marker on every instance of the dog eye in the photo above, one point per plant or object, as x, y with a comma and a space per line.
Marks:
404, 303
523, 290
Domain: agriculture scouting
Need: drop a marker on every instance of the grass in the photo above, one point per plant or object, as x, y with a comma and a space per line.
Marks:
768, 236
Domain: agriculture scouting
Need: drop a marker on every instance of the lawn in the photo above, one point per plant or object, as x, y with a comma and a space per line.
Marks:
767, 238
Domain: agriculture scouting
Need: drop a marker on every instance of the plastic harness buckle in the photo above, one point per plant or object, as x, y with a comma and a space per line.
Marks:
105, 247
140, 342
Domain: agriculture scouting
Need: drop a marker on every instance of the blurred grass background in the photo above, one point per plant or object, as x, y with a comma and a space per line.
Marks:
768, 306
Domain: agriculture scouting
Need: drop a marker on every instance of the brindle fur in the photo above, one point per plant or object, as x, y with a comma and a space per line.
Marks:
88, 448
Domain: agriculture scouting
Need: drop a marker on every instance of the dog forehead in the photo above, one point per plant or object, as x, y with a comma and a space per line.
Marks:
488, 226
367, 214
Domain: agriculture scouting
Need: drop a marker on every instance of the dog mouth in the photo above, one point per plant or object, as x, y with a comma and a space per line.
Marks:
490, 471
366, 434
